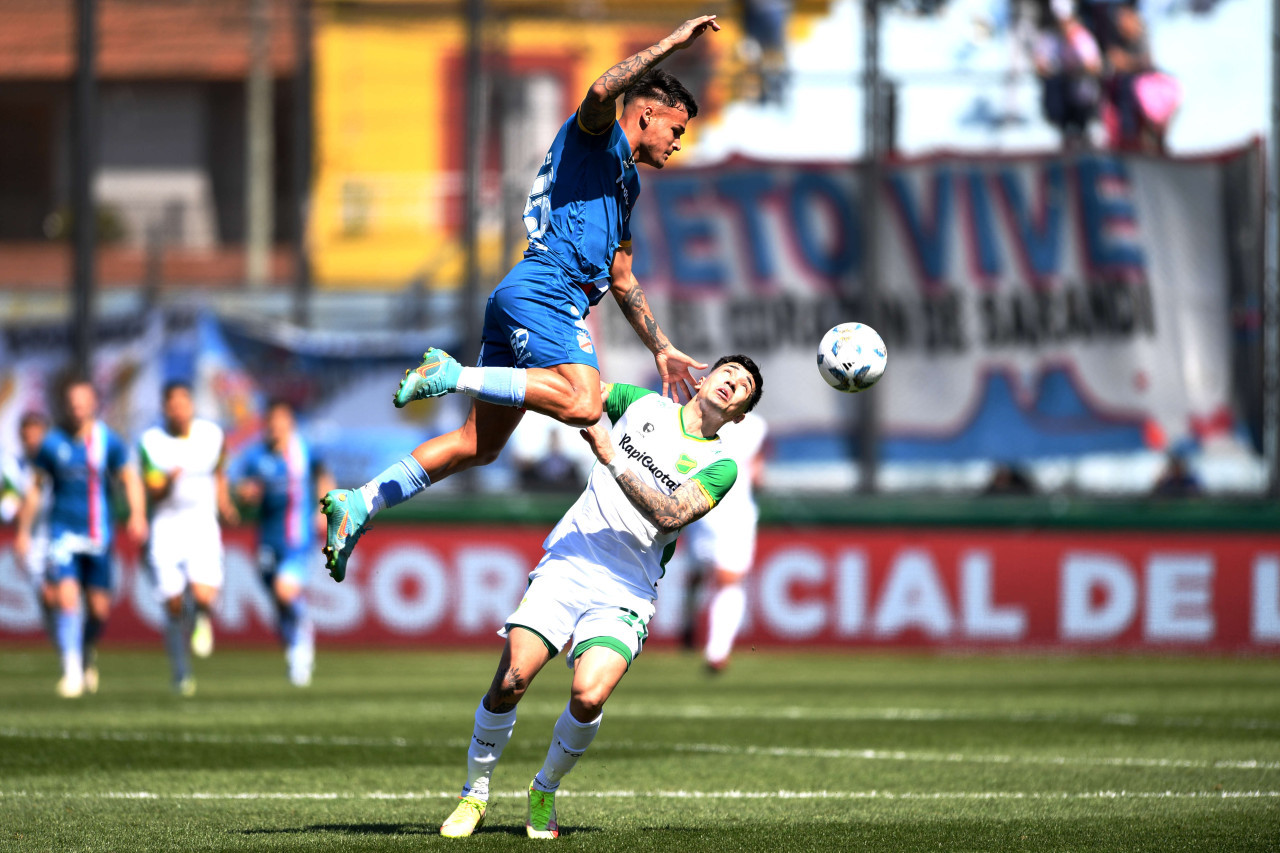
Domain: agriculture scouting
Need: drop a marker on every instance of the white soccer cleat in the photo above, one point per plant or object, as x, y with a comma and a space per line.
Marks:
91, 679
202, 636
70, 687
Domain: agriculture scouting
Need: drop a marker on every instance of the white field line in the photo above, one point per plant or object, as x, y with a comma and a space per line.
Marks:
671, 795
934, 715
708, 748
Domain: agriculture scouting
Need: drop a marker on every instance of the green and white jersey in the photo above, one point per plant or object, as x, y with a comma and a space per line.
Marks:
193, 498
603, 530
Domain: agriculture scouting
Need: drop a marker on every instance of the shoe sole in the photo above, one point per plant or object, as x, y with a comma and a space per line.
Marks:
331, 554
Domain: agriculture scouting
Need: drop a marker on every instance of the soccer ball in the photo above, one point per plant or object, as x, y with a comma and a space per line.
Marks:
852, 357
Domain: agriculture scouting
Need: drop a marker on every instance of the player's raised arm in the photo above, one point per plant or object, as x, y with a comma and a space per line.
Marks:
597, 111
674, 366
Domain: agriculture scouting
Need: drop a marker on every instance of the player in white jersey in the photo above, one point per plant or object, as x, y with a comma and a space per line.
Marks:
17, 473
594, 590
183, 466
722, 545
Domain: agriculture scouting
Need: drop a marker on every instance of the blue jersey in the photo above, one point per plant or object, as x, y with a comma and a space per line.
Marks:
579, 211
80, 471
287, 514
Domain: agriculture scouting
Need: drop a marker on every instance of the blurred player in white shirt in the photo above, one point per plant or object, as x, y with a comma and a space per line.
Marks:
722, 544
16, 474
183, 466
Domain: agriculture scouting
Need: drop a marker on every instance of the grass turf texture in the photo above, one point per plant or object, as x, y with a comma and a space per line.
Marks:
873, 752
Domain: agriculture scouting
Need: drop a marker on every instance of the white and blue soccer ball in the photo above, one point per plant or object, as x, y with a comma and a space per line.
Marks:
852, 357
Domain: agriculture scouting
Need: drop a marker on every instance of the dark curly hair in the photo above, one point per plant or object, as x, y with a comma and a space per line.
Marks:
660, 86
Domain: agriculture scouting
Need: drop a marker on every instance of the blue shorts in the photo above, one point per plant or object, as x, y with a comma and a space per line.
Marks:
68, 561
293, 563
536, 317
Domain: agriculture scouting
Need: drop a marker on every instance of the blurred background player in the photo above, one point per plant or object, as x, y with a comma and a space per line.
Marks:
81, 459
183, 468
536, 351
283, 479
662, 467
722, 545
17, 472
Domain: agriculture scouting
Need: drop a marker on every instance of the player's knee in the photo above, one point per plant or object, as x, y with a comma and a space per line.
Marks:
174, 606
582, 410
587, 703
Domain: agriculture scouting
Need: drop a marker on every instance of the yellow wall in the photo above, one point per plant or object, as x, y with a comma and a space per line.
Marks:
379, 200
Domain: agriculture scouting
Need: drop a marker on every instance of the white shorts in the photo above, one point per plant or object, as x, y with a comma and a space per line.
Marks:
731, 547
565, 601
183, 554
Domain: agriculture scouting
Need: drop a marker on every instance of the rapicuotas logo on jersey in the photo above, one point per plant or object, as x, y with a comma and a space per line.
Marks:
636, 454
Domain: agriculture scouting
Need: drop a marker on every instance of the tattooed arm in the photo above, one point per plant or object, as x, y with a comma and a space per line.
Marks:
673, 365
597, 111
668, 513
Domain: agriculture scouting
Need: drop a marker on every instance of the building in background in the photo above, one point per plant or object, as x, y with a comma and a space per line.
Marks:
170, 139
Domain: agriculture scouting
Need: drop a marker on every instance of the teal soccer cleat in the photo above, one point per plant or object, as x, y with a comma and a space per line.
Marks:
347, 517
435, 377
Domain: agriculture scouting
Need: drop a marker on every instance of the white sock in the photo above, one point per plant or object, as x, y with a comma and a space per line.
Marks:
488, 739
73, 666
568, 742
728, 606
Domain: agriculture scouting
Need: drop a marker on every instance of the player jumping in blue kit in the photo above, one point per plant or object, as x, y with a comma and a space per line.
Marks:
80, 459
282, 477
536, 352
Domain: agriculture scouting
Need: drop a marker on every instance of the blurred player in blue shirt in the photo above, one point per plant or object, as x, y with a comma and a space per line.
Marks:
536, 351
283, 478
80, 460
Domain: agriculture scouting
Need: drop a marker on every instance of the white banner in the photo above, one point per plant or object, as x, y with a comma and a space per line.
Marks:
1032, 306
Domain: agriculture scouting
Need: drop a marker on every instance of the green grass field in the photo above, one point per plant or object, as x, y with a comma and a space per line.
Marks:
783, 752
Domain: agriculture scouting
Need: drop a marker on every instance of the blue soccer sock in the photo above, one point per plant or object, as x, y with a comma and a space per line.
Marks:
70, 629
395, 485
293, 618
502, 386
177, 642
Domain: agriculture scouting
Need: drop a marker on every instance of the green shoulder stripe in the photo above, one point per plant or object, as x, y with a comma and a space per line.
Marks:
145, 458
717, 478
618, 396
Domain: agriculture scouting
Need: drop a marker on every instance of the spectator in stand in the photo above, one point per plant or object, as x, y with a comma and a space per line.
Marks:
1142, 99
1069, 64
1177, 479
763, 50
1010, 479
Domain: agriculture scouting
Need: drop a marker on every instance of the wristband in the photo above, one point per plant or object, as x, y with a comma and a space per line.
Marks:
616, 468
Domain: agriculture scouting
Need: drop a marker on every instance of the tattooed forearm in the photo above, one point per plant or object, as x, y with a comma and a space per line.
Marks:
635, 307
666, 512
597, 110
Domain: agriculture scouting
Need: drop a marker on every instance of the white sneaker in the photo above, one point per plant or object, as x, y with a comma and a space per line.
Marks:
91, 678
202, 636
70, 687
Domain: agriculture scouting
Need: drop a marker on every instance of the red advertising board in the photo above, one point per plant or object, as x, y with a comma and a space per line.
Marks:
922, 588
